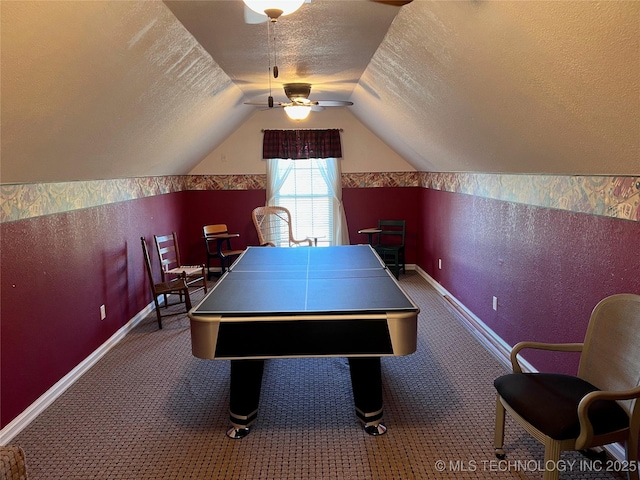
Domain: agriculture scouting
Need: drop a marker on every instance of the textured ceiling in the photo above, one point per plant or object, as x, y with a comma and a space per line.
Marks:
113, 89
542, 87
326, 43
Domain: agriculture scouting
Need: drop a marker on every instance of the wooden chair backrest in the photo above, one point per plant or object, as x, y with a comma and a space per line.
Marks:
168, 251
610, 358
212, 247
392, 232
147, 261
214, 229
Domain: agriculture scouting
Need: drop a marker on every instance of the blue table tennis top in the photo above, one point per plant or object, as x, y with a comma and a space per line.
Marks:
305, 280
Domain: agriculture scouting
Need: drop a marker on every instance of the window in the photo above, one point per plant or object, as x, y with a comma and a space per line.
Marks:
306, 194
303, 175
310, 189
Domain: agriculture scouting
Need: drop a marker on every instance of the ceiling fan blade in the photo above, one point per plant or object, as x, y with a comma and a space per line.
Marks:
316, 108
265, 104
333, 103
252, 17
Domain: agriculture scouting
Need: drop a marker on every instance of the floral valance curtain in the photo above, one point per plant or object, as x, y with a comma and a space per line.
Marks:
297, 144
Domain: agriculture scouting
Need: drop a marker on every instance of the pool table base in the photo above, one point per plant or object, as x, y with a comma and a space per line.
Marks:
237, 433
246, 381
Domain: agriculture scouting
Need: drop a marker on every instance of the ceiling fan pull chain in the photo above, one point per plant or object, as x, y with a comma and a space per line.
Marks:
275, 53
269, 47
270, 99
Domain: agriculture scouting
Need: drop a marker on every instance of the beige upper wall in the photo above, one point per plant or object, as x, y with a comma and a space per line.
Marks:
241, 152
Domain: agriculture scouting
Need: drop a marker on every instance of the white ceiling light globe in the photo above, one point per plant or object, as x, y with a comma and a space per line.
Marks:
297, 112
286, 6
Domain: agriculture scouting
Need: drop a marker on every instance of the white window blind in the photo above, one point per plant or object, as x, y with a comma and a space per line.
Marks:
305, 192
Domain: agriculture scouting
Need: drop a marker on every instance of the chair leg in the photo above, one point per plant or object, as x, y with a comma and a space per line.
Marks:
155, 300
498, 439
204, 280
632, 456
209, 274
551, 458
187, 299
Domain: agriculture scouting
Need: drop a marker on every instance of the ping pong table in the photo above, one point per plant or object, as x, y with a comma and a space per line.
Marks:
336, 301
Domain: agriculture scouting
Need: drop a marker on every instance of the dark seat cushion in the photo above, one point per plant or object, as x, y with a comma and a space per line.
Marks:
549, 402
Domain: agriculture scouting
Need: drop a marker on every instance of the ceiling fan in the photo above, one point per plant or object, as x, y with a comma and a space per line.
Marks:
299, 106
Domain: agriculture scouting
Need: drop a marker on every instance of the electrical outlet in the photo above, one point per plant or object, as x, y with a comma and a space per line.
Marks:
103, 312
495, 303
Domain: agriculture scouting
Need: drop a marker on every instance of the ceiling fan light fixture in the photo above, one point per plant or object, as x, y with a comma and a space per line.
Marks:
297, 112
274, 8
297, 92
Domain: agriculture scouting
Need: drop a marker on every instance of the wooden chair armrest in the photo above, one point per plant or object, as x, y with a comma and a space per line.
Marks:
304, 240
586, 429
221, 236
557, 347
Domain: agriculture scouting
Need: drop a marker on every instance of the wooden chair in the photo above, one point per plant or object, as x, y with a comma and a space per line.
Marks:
170, 265
273, 225
217, 240
596, 407
176, 286
390, 244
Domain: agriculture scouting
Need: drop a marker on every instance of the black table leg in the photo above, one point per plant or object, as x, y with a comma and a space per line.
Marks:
366, 382
246, 380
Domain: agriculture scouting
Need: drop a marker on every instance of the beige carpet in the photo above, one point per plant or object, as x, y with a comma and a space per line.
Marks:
150, 410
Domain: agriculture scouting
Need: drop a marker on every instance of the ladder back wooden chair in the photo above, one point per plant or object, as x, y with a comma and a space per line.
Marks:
171, 266
176, 286
597, 406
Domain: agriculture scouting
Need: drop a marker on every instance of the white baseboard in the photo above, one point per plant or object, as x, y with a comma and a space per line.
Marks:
36, 408
487, 337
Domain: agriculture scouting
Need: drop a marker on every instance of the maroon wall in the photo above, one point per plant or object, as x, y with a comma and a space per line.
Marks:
547, 267
210, 207
56, 272
58, 269
365, 206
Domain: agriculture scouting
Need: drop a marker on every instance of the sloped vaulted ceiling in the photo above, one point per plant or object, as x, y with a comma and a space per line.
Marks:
112, 89
107, 89
494, 86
